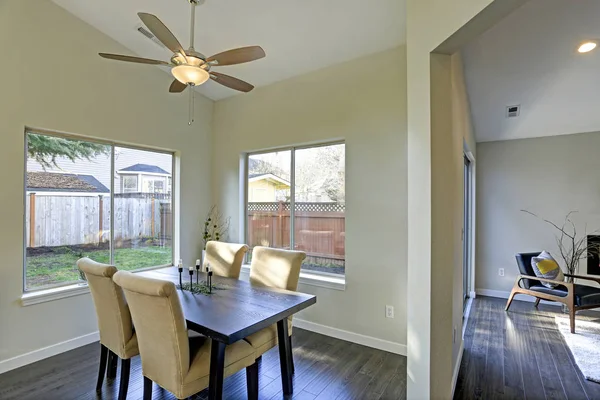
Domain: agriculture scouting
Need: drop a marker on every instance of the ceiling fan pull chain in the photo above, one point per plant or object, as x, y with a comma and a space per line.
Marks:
191, 111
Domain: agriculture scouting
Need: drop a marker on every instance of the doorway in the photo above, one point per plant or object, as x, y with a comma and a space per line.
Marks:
467, 227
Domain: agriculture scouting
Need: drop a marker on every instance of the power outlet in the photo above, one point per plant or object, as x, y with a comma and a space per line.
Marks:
389, 311
500, 271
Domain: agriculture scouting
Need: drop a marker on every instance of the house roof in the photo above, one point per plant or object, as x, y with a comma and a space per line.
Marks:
258, 177
59, 182
145, 168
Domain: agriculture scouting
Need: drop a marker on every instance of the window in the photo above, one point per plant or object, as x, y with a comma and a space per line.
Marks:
129, 184
152, 184
78, 205
296, 200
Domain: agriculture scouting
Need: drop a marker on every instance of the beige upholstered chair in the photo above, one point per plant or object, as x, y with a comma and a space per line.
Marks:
225, 259
274, 268
163, 341
117, 337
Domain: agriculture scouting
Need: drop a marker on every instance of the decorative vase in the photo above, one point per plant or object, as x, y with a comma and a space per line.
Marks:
202, 261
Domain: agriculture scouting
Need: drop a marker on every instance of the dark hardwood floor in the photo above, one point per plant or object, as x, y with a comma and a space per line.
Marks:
519, 354
326, 368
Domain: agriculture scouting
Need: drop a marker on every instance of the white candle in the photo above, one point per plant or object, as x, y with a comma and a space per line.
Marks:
198, 262
180, 263
191, 268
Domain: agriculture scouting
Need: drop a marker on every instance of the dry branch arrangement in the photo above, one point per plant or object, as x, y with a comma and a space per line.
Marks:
572, 248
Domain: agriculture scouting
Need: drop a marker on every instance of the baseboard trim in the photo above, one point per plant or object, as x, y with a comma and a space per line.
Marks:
504, 295
364, 340
457, 365
45, 352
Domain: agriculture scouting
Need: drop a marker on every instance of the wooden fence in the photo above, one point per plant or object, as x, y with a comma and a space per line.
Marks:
77, 220
319, 228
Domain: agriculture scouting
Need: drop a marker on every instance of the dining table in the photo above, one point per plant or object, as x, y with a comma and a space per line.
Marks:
236, 309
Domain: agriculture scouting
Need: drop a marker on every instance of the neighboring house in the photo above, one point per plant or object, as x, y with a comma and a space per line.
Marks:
267, 188
56, 183
99, 167
144, 178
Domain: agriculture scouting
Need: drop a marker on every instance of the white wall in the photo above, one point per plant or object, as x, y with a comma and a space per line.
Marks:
548, 176
367, 110
52, 78
430, 23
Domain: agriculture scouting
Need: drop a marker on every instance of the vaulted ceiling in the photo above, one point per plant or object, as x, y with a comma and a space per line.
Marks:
298, 36
530, 59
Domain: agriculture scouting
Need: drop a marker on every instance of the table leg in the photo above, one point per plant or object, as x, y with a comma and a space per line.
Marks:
284, 356
217, 367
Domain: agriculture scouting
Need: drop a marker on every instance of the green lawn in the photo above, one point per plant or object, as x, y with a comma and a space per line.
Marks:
59, 266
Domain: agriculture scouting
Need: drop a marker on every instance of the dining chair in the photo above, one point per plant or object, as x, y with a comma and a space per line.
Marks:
169, 358
117, 337
280, 269
225, 259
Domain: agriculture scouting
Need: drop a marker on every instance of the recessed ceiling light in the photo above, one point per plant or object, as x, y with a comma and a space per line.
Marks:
587, 46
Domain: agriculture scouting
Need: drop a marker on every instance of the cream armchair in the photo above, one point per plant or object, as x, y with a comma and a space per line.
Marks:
279, 269
225, 259
167, 358
117, 337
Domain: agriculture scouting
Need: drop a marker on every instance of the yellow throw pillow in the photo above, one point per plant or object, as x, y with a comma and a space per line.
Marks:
544, 266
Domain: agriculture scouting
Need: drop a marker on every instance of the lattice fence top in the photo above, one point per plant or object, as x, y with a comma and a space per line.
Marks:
300, 206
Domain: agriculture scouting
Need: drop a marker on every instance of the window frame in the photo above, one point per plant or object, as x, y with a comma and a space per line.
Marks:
122, 178
113, 145
292, 149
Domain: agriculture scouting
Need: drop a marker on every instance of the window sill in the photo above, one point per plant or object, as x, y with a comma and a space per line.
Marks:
42, 296
328, 281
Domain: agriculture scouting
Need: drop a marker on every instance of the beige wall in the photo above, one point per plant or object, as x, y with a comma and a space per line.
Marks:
548, 176
52, 78
429, 304
368, 112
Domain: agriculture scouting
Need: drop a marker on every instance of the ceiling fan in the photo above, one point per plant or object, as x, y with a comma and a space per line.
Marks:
189, 67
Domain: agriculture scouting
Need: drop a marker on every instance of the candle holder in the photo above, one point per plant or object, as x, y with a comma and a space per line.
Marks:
191, 275
197, 270
210, 282
180, 269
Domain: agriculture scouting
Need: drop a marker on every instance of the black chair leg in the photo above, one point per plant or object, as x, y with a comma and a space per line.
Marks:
147, 389
124, 384
292, 356
252, 381
113, 359
102, 369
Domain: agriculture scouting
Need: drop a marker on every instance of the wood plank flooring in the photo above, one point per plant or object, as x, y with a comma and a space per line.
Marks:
326, 368
519, 354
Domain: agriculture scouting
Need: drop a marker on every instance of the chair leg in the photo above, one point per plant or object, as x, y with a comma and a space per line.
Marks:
124, 384
537, 302
572, 317
113, 359
102, 368
510, 299
147, 389
252, 381
292, 356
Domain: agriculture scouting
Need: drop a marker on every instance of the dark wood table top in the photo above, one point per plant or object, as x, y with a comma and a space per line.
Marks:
235, 312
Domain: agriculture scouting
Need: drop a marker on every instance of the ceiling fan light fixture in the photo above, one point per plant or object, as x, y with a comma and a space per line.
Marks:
190, 75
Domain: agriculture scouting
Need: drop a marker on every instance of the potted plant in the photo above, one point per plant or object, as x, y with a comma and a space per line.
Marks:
216, 227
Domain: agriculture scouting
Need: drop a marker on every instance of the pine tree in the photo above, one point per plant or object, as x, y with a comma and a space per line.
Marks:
46, 149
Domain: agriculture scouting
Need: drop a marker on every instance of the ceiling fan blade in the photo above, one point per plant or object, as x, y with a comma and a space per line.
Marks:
177, 87
138, 60
231, 82
161, 32
238, 56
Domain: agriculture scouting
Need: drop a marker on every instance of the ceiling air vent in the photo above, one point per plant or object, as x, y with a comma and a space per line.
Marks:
513, 111
141, 29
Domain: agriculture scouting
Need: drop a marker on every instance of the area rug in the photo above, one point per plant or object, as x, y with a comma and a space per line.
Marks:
584, 344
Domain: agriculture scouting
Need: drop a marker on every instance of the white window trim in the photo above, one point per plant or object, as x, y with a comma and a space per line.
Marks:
327, 281
330, 281
61, 292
